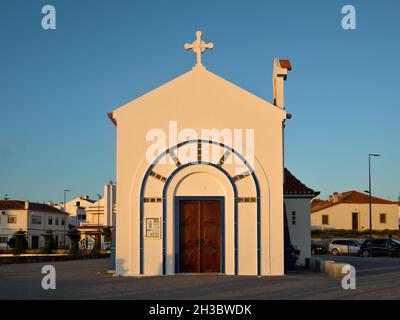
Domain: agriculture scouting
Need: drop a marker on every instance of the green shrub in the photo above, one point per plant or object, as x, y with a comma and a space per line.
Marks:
49, 243
20, 243
11, 242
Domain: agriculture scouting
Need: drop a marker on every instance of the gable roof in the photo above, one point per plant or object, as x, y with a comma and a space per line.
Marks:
193, 83
20, 205
293, 186
347, 197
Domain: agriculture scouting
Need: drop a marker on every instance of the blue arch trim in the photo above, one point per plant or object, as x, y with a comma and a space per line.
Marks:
143, 186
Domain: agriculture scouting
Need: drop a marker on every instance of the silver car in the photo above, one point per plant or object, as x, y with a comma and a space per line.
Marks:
344, 246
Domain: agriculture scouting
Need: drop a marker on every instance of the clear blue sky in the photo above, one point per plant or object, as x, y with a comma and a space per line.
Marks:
56, 87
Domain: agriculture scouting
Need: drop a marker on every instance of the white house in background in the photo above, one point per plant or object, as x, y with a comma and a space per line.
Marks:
84, 211
77, 209
350, 210
87, 215
180, 208
399, 212
398, 203
35, 219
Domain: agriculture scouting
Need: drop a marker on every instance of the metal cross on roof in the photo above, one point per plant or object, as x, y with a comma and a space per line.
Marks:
198, 46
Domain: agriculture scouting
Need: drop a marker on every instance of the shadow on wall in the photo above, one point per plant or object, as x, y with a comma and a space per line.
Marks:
121, 271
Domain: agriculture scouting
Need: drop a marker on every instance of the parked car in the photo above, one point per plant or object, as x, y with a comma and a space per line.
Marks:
380, 247
318, 248
344, 246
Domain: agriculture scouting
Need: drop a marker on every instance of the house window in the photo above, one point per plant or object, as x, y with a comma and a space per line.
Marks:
82, 217
62, 221
294, 218
3, 239
36, 220
382, 218
325, 219
50, 221
12, 219
56, 222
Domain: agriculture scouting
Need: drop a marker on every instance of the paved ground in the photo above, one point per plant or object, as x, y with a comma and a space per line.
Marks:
377, 278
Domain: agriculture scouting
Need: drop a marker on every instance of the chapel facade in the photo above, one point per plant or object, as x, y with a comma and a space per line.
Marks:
200, 177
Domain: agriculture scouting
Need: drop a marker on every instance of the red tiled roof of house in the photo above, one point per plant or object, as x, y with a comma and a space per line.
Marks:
347, 197
293, 186
20, 205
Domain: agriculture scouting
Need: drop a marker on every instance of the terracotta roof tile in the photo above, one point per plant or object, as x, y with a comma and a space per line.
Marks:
347, 197
20, 205
293, 186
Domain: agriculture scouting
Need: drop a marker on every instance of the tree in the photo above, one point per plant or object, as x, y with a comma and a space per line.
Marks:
74, 236
107, 233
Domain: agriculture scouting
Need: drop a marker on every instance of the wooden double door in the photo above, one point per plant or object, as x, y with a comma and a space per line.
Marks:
200, 235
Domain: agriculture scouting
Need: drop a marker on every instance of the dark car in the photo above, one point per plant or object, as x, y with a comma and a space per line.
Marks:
380, 247
318, 248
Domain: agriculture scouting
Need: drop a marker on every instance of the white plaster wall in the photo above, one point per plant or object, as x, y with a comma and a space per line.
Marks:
247, 229
152, 246
198, 99
300, 233
24, 223
340, 216
7, 229
109, 203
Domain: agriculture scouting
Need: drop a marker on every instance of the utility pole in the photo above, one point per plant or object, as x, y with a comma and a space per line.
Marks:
64, 209
370, 191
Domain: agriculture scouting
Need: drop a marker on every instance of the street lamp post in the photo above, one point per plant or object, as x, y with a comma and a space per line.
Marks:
369, 190
98, 222
65, 199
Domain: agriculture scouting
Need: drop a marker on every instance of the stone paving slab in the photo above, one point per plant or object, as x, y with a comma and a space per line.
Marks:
88, 279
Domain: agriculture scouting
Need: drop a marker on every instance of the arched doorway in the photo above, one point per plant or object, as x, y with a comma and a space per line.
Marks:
165, 185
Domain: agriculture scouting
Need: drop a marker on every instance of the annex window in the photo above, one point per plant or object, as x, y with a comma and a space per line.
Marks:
36, 220
382, 217
12, 219
3, 239
62, 221
50, 221
325, 219
294, 218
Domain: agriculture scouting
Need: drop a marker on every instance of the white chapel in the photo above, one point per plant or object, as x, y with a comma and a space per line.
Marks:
202, 186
